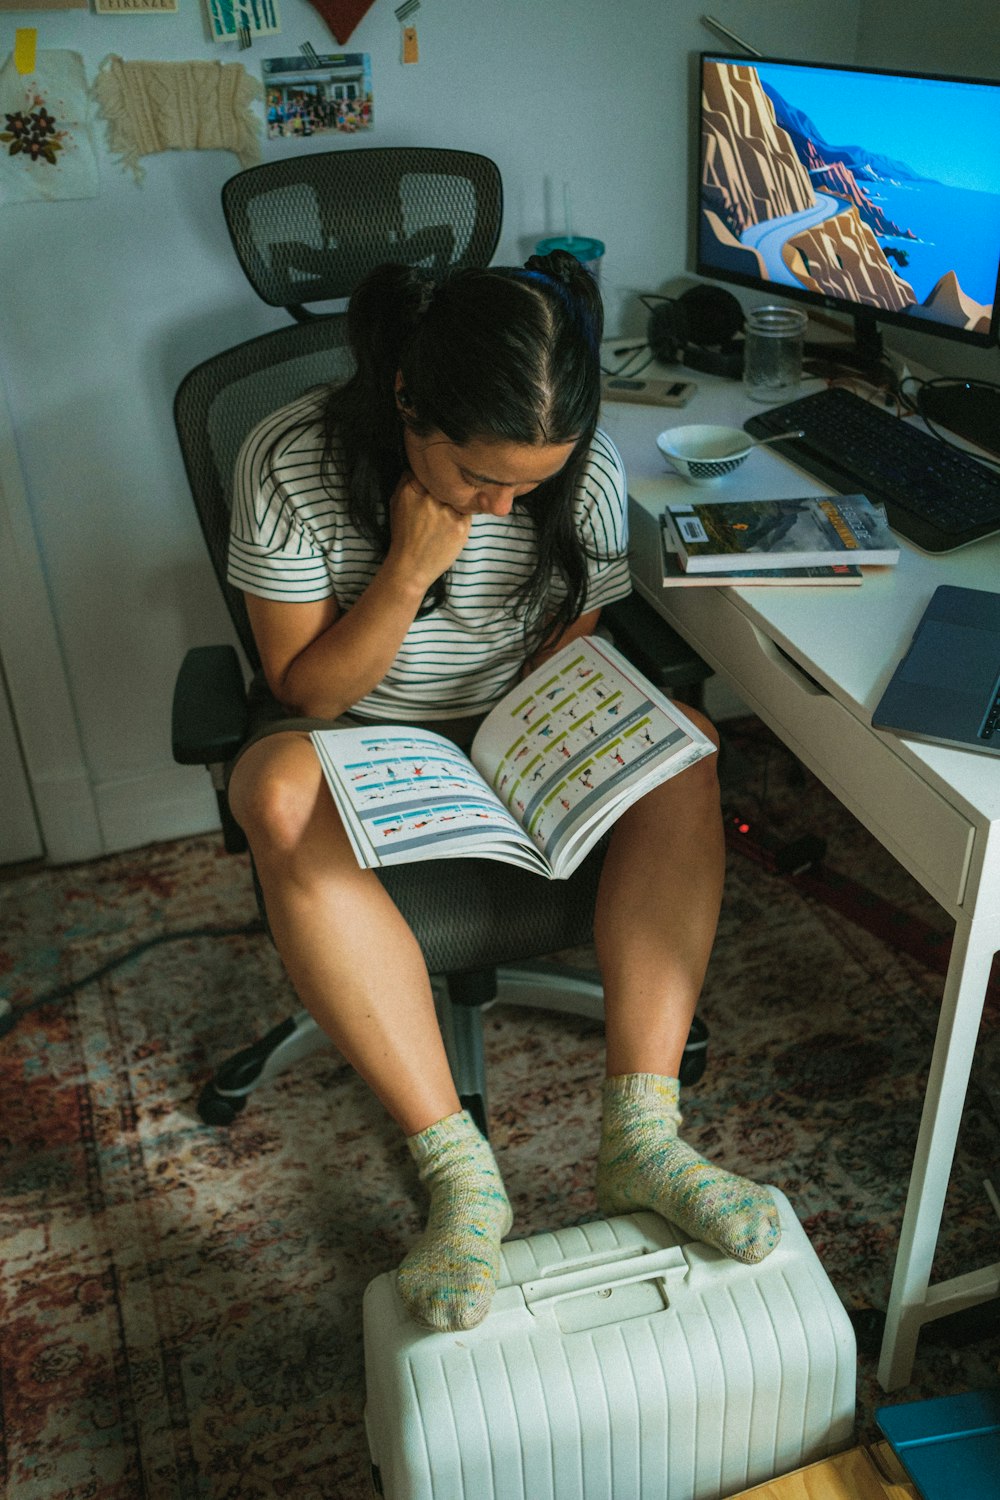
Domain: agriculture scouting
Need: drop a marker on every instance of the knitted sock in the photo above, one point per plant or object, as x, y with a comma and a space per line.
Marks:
449, 1277
643, 1164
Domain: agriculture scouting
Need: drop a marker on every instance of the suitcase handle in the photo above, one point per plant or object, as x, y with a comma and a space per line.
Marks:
658, 1265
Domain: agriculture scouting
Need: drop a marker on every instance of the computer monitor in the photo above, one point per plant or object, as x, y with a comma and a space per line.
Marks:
863, 191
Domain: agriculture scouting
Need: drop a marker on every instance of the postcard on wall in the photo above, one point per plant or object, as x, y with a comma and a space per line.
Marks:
228, 19
133, 7
308, 95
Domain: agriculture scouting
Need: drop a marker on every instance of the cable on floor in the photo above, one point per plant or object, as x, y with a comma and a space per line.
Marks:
9, 1017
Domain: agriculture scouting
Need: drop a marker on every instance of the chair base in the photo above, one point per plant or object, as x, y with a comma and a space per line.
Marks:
460, 1001
225, 1095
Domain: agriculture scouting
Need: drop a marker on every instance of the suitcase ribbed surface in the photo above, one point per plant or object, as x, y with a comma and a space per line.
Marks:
618, 1363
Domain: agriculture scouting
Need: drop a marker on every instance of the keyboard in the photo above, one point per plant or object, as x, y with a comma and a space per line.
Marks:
936, 496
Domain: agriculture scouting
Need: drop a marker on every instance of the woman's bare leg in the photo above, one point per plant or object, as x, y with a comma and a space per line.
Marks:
657, 914
354, 962
358, 969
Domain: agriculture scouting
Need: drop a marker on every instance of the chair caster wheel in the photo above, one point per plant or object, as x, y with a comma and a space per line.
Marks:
219, 1109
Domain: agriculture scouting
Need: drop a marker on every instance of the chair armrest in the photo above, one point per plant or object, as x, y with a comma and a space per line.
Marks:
653, 646
209, 719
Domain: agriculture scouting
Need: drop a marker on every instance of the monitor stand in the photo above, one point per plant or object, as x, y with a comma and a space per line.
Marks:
968, 408
864, 353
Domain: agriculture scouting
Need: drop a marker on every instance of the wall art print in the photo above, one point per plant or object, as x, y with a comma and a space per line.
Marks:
47, 146
227, 19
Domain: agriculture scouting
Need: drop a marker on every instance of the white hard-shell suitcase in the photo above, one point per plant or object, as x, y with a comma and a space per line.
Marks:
620, 1361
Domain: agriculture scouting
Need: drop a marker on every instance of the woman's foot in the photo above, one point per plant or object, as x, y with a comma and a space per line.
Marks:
643, 1164
449, 1277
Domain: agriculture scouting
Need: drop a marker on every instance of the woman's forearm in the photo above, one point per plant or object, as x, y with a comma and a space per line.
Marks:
352, 655
321, 661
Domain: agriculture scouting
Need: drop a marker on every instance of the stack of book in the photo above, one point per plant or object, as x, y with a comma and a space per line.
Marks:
820, 539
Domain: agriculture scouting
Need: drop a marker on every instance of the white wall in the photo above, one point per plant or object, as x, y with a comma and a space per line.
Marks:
108, 302
963, 39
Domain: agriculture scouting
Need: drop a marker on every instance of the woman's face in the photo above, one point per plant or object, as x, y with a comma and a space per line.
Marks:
484, 476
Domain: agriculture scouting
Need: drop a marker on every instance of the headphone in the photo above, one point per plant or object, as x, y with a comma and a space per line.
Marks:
699, 329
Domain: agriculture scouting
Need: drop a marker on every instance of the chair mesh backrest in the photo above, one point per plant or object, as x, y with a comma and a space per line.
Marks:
308, 228
219, 402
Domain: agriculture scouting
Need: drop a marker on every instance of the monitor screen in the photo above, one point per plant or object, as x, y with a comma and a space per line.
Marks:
865, 191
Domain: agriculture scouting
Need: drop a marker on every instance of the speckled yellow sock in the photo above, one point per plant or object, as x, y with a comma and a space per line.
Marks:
449, 1277
643, 1164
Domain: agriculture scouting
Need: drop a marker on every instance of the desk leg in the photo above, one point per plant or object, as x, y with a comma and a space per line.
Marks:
951, 1063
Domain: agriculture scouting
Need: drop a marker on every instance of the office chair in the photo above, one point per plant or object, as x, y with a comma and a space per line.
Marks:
471, 917
308, 228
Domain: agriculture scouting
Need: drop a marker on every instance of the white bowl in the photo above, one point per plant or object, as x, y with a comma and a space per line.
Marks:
702, 454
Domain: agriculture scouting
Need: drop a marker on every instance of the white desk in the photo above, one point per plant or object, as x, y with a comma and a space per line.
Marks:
812, 664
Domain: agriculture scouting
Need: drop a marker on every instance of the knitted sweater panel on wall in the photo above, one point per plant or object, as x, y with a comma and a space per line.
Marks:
178, 106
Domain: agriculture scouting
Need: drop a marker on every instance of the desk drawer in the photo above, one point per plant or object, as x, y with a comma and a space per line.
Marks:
932, 839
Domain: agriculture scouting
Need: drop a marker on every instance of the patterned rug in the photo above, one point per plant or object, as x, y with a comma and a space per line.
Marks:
182, 1304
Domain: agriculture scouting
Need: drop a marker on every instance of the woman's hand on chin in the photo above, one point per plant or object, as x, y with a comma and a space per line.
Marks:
427, 535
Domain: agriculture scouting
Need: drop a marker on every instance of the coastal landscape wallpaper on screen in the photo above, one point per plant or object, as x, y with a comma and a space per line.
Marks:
905, 218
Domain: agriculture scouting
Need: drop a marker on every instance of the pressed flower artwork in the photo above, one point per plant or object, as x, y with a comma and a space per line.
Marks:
34, 134
46, 141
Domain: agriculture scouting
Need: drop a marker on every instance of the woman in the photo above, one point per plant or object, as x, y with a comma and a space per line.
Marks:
408, 544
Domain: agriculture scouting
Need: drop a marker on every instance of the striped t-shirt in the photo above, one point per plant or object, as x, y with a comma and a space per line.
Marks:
291, 540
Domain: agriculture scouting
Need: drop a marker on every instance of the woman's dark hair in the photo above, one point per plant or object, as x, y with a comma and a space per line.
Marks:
496, 353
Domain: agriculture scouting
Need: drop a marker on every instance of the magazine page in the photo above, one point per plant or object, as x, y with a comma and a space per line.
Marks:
577, 742
407, 794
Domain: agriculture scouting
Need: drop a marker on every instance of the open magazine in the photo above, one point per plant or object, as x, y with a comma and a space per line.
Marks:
552, 766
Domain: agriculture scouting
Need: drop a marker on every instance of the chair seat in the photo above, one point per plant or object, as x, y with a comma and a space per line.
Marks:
480, 913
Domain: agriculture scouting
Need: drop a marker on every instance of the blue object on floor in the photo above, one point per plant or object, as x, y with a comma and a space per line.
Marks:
950, 1445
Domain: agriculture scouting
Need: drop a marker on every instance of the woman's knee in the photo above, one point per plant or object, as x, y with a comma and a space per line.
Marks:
703, 776
275, 794
695, 791
701, 722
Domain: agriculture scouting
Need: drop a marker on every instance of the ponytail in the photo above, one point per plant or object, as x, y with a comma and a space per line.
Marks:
571, 274
361, 417
381, 317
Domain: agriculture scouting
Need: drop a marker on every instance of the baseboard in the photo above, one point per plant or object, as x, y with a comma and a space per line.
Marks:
67, 819
177, 802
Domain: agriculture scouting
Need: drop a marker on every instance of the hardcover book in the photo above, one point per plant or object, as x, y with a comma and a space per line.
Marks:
676, 576
760, 534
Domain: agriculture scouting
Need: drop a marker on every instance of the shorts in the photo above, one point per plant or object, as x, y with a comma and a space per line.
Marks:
266, 716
